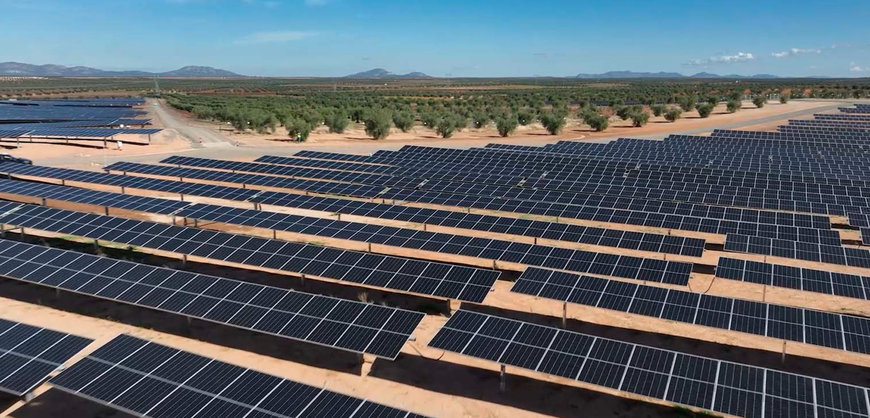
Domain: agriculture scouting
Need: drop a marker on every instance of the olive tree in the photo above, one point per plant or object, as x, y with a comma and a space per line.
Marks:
506, 124
704, 109
378, 123
673, 114
733, 106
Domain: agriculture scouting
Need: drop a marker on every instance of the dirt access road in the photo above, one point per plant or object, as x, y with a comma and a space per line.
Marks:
199, 137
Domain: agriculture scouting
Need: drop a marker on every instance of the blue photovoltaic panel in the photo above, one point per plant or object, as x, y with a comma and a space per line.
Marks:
442, 280
148, 379
337, 323
711, 384
824, 329
28, 355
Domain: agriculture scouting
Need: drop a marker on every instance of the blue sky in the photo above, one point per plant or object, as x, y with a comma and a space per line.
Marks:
443, 37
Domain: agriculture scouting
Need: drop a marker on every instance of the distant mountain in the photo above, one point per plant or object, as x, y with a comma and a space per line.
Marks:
630, 74
382, 73
51, 70
199, 71
662, 74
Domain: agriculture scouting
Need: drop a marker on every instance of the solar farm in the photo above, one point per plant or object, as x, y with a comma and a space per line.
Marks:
725, 274
82, 122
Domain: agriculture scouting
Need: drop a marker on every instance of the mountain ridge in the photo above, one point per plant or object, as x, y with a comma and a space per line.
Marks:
11, 68
382, 73
663, 74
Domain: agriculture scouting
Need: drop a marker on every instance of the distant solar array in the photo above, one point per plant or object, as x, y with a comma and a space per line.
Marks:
148, 379
71, 118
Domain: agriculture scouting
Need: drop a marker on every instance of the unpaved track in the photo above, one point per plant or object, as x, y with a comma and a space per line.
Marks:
197, 136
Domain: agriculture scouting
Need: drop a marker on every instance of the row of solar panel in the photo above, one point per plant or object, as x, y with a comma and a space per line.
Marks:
491, 249
715, 385
820, 328
342, 324
435, 279
830, 254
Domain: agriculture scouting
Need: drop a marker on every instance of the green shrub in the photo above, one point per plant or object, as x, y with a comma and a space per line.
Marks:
705, 109
673, 114
733, 106
506, 124
553, 122
759, 101
639, 119
378, 123
403, 120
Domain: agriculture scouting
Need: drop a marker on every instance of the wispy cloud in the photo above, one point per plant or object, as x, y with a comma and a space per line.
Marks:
722, 59
855, 68
796, 51
275, 36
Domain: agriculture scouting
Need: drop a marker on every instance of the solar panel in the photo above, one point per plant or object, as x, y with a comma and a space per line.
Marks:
28, 355
859, 220
414, 276
322, 320
149, 379
344, 189
529, 254
818, 281
66, 174
830, 254
775, 321
716, 385
91, 197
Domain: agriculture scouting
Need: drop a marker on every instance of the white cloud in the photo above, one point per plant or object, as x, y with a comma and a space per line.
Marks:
276, 36
723, 59
855, 68
796, 51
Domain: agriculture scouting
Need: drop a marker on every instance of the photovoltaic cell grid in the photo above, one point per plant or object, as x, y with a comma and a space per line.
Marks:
414, 276
830, 254
66, 174
588, 235
776, 321
148, 379
529, 254
721, 220
859, 220
715, 385
564, 232
91, 197
818, 281
344, 189
332, 322
29, 354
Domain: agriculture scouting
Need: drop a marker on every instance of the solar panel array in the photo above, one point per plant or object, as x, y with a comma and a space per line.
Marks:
91, 197
28, 355
817, 281
715, 385
829, 254
824, 329
347, 325
148, 379
414, 276
70, 119
529, 254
